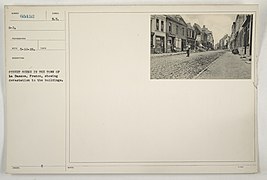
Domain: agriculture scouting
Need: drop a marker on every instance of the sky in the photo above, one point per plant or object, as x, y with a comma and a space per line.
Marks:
219, 24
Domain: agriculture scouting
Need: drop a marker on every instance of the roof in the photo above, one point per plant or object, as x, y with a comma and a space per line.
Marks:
206, 30
189, 26
196, 26
181, 20
225, 36
177, 18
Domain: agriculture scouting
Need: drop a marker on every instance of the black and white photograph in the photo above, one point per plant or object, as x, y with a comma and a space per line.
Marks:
201, 46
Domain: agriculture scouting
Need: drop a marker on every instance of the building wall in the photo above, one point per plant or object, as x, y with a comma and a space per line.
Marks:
207, 38
158, 33
191, 38
224, 42
176, 35
169, 33
241, 36
247, 26
198, 35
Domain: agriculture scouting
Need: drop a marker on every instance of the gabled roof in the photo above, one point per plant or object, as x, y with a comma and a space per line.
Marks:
189, 26
171, 17
206, 30
177, 18
196, 26
181, 20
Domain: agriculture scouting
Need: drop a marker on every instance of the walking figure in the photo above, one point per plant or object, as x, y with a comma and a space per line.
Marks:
188, 50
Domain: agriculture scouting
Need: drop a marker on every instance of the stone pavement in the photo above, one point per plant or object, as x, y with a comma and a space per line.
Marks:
180, 66
228, 66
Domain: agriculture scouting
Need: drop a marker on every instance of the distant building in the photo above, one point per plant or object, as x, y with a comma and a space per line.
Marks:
224, 42
207, 38
217, 46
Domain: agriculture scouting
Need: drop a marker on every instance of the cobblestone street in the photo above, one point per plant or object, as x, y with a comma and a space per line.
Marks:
182, 67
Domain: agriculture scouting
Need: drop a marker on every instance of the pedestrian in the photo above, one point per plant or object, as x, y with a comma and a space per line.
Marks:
188, 51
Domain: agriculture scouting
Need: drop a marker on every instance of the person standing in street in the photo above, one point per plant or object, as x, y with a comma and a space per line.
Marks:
187, 50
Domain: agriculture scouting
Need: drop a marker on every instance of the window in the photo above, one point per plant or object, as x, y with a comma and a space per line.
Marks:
162, 26
157, 24
177, 30
183, 31
170, 27
151, 41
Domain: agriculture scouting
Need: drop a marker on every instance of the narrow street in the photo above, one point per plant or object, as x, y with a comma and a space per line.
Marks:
218, 64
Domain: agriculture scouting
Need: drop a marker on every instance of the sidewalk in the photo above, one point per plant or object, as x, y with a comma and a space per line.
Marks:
228, 66
167, 54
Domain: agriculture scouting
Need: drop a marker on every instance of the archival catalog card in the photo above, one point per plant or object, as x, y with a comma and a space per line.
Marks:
131, 89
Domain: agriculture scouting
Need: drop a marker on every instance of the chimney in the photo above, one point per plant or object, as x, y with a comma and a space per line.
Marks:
204, 26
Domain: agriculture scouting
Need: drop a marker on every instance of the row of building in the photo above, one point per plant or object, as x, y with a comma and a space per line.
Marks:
240, 39
224, 42
170, 33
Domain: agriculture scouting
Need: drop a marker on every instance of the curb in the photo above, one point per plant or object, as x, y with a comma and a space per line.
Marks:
169, 54
195, 77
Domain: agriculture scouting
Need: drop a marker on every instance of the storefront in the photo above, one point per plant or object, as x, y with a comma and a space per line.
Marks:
159, 44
